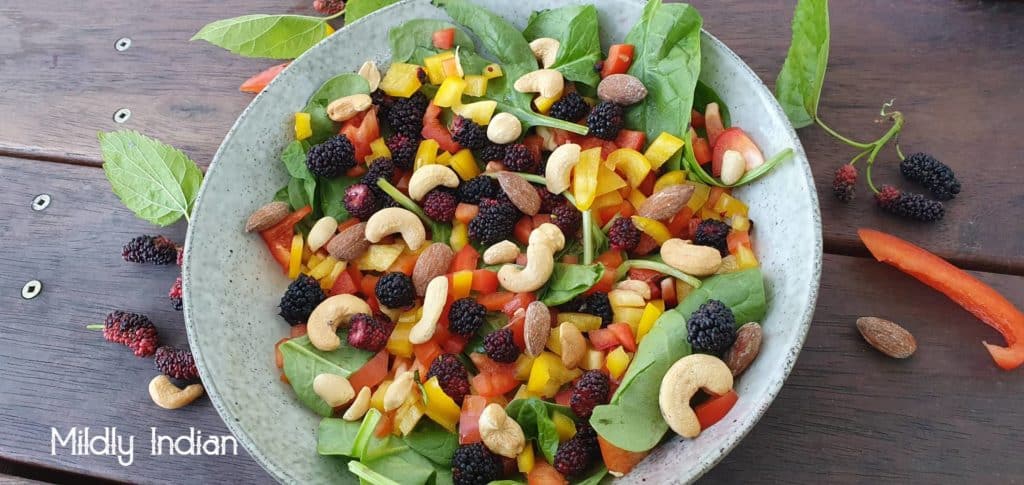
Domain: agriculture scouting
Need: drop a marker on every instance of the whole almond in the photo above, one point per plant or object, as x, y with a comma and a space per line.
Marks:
265, 217
433, 262
666, 203
536, 328
520, 192
350, 243
887, 337
621, 89
745, 348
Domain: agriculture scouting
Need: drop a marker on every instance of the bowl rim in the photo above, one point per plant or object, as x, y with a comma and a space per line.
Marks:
744, 423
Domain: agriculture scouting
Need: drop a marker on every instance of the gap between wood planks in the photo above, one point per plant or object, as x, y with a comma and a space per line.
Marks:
837, 246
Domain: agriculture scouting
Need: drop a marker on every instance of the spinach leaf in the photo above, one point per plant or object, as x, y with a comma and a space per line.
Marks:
703, 95
302, 188
270, 36
743, 292
575, 28
337, 437
156, 181
357, 9
667, 60
368, 475
406, 467
294, 158
298, 196
596, 477
336, 87
418, 34
798, 87
303, 362
282, 194
331, 193
508, 46
492, 323
433, 442
695, 169
632, 420
534, 417
323, 126
568, 281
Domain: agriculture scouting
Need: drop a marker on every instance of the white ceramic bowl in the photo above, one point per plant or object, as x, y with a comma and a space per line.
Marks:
232, 287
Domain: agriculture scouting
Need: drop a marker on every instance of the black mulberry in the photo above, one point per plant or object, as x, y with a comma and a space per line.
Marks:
361, 201
440, 204
331, 158
576, 455
299, 300
711, 329
328, 7
597, 303
406, 114
501, 346
175, 294
714, 234
568, 219
572, 107
451, 376
369, 332
132, 330
932, 174
476, 188
909, 205
492, 152
381, 168
624, 235
519, 158
590, 391
844, 183
605, 120
468, 134
176, 363
395, 290
150, 249
403, 149
466, 316
474, 464
494, 222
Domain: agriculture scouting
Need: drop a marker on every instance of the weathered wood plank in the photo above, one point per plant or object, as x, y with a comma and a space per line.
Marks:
846, 414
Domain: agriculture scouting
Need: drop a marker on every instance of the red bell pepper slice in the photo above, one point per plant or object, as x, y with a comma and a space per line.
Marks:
967, 291
256, 83
714, 409
361, 131
631, 139
435, 130
279, 237
620, 57
444, 38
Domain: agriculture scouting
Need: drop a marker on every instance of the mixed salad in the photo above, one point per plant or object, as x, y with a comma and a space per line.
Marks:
517, 259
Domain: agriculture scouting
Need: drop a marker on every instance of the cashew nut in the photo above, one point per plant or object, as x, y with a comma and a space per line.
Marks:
399, 390
335, 390
536, 328
688, 375
560, 165
690, 258
545, 49
344, 109
547, 82
504, 128
425, 178
322, 326
636, 286
504, 252
359, 406
396, 219
574, 346
371, 74
626, 298
321, 232
545, 241
733, 166
500, 434
168, 396
433, 305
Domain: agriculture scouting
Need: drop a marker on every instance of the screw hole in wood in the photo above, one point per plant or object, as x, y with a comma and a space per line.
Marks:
122, 115
31, 289
42, 201
122, 44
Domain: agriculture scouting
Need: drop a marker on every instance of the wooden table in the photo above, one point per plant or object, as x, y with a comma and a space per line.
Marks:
846, 413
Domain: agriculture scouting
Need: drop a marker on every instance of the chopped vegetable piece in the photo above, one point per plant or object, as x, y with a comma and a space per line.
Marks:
402, 80
302, 127
620, 57
714, 409
256, 83
444, 38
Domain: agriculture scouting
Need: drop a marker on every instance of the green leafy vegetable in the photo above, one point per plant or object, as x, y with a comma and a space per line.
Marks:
703, 95
331, 196
576, 29
798, 87
294, 158
632, 420
568, 281
406, 467
357, 9
417, 34
492, 323
439, 231
534, 417
433, 442
743, 292
596, 477
667, 60
337, 87
271, 36
691, 165
368, 475
156, 181
303, 362
337, 437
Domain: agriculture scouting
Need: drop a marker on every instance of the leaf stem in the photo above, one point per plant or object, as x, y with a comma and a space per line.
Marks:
98, 326
656, 266
898, 151
588, 237
332, 17
404, 201
859, 155
529, 177
897, 125
855, 144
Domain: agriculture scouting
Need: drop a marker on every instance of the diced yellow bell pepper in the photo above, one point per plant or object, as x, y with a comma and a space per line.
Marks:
306, 253
380, 257
658, 231
708, 212
523, 364
411, 316
402, 80
450, 92
740, 223
452, 67
636, 198
729, 265
476, 85
441, 408
583, 321
675, 177
608, 180
606, 200
378, 149
314, 259
625, 299
544, 380
564, 426
303, 129
593, 360
434, 66
328, 282
663, 148
651, 315
617, 362
462, 282
745, 257
323, 268
377, 398
399, 344
630, 315
328, 30
525, 461
730, 206
659, 304
492, 71
426, 154
543, 104
409, 415
443, 158
460, 236
523, 393
464, 164
480, 112
700, 195
554, 343
631, 163
683, 290
295, 262
584, 178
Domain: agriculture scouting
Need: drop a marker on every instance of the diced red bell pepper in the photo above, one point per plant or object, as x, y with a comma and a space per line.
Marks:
344, 285
465, 260
668, 292
603, 339
611, 259
386, 424
434, 129
444, 39
521, 300
735, 139
368, 284
484, 281
648, 275
472, 408
713, 196
701, 150
714, 409
631, 139
361, 131
561, 136
297, 330
605, 284
646, 187
605, 214
278, 356
735, 239
278, 238
696, 119
256, 83
974, 296
541, 219
692, 229
373, 372
620, 57
494, 302
679, 224
518, 327
563, 397
545, 474
617, 459
624, 333
465, 213
713, 123
522, 230
426, 353
494, 379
